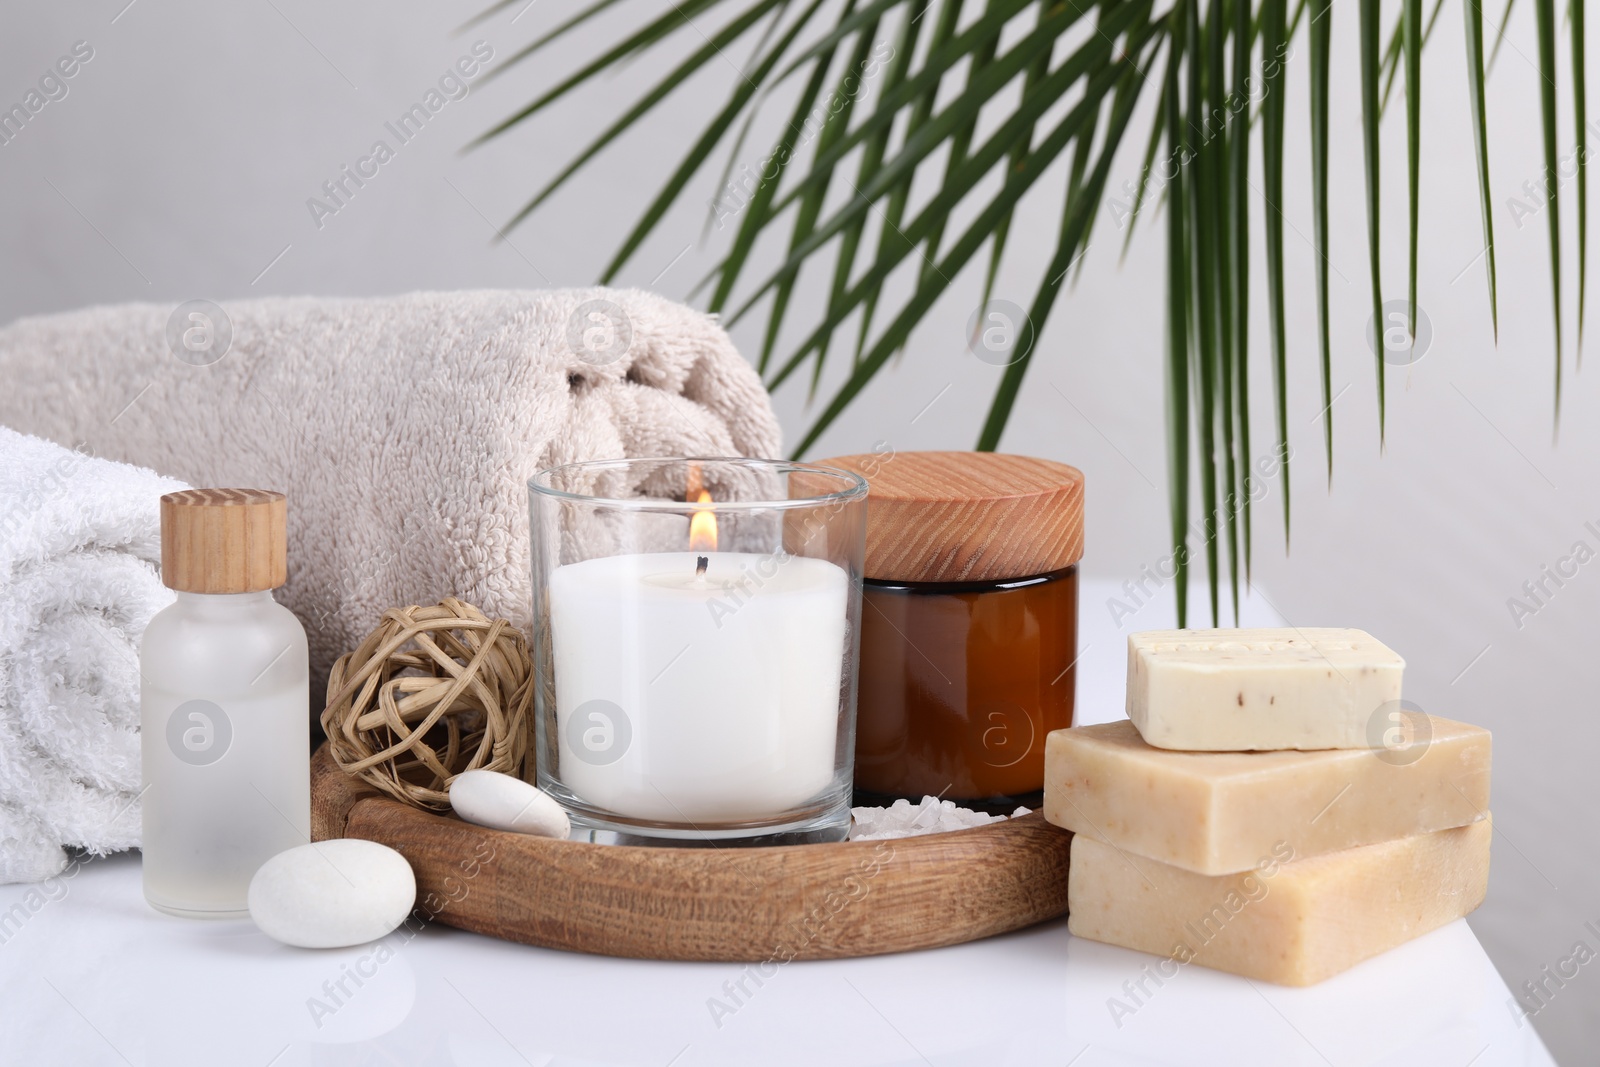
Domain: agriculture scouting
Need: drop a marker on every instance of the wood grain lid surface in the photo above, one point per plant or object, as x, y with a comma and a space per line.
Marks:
224, 540
968, 516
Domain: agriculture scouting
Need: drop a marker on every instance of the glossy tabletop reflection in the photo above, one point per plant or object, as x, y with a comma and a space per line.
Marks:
89, 974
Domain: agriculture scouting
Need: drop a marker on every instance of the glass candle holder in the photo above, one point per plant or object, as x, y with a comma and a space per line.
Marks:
969, 633
697, 627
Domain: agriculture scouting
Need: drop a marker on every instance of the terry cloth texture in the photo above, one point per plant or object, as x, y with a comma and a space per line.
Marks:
79, 543
402, 429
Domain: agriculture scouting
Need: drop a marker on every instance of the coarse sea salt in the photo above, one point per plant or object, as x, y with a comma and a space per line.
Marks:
930, 816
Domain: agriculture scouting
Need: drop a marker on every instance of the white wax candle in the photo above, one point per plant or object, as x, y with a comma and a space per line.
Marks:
698, 699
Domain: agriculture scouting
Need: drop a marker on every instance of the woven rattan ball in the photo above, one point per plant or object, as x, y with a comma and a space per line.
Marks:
432, 692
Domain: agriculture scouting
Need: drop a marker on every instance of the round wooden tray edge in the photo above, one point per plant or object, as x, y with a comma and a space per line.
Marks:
824, 901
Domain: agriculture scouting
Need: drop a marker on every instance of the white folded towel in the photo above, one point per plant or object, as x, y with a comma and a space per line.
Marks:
80, 540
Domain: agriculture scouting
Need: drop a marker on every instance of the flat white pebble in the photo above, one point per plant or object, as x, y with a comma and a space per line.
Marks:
502, 802
330, 894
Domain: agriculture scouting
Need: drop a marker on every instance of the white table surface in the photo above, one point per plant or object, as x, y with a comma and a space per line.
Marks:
90, 975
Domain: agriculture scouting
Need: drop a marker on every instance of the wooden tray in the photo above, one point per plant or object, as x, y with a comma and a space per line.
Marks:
854, 898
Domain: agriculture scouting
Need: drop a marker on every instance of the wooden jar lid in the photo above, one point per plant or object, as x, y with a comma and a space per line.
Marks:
968, 516
224, 540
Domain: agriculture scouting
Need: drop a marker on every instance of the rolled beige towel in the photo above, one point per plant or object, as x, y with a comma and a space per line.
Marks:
403, 429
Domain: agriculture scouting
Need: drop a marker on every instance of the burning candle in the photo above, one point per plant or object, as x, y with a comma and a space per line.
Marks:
700, 689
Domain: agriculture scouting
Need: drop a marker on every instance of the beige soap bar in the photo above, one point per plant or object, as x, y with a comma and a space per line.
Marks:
1242, 690
1219, 812
1294, 923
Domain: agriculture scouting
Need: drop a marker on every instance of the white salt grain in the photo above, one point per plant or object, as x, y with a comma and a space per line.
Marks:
905, 819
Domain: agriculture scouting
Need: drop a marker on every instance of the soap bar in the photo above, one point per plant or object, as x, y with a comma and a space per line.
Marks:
1291, 922
1220, 812
1240, 690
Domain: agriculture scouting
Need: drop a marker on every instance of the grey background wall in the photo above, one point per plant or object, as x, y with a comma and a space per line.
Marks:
179, 164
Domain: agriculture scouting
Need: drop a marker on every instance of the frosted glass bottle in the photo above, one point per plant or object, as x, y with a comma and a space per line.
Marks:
224, 706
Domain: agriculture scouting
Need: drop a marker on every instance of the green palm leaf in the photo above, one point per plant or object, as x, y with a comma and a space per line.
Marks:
1500, 32
1215, 183
971, 119
1158, 131
712, 48
1017, 183
701, 149
1411, 13
850, 25
1274, 41
1019, 151
752, 212
1178, 344
1472, 18
736, 151
1075, 225
833, 128
1545, 17
653, 33
1370, 115
1239, 257
1580, 122
933, 132
1203, 270
960, 141
1321, 37
871, 159
890, 103
927, 139
1392, 54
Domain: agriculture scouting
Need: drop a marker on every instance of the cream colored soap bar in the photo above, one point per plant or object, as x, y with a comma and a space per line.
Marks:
1219, 812
1243, 690
1294, 923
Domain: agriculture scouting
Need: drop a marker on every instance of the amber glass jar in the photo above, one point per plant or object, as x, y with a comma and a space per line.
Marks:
968, 623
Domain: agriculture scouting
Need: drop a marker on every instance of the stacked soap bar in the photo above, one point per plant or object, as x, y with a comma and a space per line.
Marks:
1269, 808
1242, 690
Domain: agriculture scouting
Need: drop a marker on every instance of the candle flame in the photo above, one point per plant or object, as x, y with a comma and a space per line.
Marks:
703, 527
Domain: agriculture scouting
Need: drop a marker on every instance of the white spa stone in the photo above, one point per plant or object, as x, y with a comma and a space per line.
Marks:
502, 802
331, 894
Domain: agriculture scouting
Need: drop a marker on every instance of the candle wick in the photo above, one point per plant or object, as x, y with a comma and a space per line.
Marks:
700, 565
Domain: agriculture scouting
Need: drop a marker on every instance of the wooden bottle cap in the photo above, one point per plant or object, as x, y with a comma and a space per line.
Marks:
968, 516
224, 540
